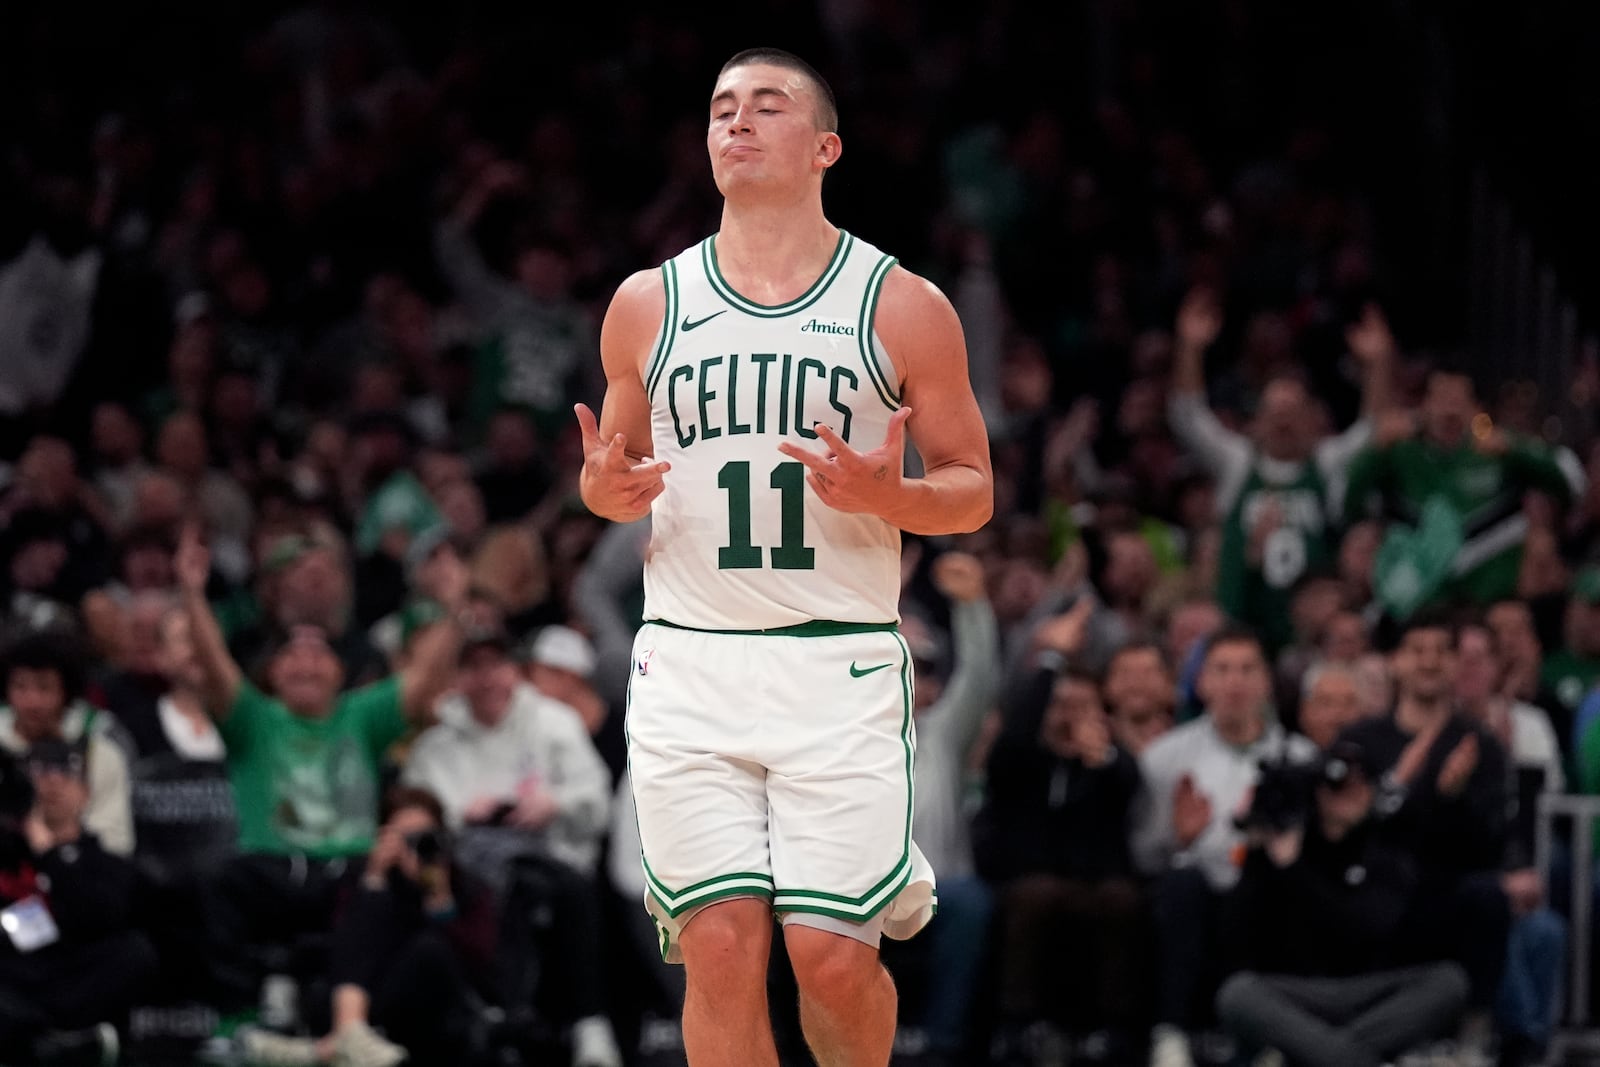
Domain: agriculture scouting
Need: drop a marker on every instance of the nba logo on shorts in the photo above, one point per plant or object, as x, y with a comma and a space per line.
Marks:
644, 661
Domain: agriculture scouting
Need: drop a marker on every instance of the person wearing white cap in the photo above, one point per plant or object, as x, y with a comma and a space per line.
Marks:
563, 663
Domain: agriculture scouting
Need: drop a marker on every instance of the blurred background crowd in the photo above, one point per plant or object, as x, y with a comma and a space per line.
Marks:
1233, 722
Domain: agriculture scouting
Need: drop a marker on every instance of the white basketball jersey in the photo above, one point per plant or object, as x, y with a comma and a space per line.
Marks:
739, 541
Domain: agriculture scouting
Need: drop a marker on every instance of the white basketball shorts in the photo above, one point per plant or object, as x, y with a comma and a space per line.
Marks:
777, 765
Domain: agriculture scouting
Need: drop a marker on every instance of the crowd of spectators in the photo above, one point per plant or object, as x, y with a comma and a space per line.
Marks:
1232, 722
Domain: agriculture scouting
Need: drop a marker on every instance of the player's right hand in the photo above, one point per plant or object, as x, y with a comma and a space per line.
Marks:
612, 485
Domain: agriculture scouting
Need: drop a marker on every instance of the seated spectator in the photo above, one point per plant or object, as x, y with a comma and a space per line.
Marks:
1189, 626
409, 946
1444, 794
1317, 913
305, 762
1314, 600
44, 687
182, 804
1140, 693
1572, 670
1053, 837
1196, 777
1344, 637
71, 961
1331, 701
560, 663
1529, 995
527, 796
1521, 652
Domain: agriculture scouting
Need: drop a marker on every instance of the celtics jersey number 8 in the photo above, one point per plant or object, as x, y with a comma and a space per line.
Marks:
738, 539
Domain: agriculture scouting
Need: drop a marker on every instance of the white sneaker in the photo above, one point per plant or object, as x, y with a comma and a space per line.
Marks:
359, 1045
1169, 1047
263, 1048
594, 1043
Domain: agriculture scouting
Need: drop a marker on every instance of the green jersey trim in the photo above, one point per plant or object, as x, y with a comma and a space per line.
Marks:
815, 628
869, 310
669, 328
726, 885
708, 257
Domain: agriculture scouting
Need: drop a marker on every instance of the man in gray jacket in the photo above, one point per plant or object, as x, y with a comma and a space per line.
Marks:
527, 799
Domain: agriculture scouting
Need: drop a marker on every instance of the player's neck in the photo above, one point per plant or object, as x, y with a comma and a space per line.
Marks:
774, 244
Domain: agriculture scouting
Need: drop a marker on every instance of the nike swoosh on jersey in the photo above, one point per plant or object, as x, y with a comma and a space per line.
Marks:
687, 325
862, 672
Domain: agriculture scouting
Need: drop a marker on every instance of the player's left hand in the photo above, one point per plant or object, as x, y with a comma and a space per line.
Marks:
851, 481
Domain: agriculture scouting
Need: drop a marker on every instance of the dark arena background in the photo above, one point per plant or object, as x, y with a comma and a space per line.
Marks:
1259, 726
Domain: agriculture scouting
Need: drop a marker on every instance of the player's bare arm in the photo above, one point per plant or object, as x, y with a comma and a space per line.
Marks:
922, 335
619, 477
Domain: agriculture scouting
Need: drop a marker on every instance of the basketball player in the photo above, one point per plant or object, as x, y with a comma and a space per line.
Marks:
760, 388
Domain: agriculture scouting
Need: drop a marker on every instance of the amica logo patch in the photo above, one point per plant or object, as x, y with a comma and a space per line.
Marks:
828, 327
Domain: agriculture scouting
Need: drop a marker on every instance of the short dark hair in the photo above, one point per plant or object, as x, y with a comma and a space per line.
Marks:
1142, 644
1430, 619
47, 650
1235, 633
401, 797
827, 106
1080, 674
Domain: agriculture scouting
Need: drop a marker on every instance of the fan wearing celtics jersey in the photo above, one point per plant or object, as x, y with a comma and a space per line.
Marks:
762, 388
1277, 488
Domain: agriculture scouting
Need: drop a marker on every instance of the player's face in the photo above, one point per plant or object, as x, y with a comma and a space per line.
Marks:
763, 130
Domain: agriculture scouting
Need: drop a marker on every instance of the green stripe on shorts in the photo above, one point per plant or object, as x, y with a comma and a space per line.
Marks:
815, 628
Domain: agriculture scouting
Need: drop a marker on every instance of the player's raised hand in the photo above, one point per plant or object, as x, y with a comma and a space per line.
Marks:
612, 484
852, 481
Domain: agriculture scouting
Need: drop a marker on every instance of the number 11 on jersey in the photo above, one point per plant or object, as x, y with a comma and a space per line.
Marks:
791, 552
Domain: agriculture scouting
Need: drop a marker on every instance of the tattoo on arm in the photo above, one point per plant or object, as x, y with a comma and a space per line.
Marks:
880, 474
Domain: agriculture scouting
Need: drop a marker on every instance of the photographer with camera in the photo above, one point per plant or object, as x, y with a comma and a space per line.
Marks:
408, 947
1196, 777
527, 797
1316, 915
71, 962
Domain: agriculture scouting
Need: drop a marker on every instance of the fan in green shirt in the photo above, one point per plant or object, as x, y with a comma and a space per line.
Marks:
1453, 498
305, 761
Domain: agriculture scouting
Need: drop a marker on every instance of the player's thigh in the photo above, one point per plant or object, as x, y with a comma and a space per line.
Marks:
701, 802
840, 792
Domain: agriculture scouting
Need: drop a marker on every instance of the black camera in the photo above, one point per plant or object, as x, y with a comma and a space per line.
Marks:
428, 846
1283, 797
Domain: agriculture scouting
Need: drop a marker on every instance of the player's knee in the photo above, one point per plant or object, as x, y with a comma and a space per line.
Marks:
728, 938
829, 966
